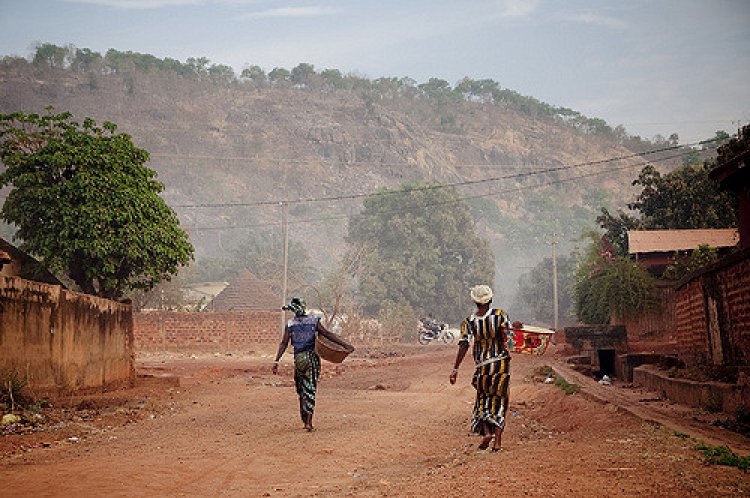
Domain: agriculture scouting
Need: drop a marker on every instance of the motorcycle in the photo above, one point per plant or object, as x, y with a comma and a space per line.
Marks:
429, 332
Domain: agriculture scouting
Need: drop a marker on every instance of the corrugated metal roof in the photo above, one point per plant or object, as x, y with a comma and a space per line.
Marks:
640, 241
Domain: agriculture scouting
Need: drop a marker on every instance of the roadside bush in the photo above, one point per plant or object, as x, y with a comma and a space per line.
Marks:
721, 455
566, 386
12, 389
608, 285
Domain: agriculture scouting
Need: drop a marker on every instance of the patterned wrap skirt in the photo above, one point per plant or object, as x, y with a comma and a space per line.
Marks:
491, 381
306, 373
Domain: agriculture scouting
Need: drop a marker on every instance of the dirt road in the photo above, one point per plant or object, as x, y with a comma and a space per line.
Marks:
391, 426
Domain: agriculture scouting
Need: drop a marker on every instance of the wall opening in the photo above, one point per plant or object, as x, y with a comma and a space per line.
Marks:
606, 361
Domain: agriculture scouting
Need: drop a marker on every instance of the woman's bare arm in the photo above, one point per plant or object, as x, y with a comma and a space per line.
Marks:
282, 347
463, 347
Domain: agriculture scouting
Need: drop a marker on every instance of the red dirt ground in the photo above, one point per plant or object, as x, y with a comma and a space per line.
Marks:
388, 424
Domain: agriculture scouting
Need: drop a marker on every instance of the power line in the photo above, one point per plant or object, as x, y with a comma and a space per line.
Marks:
444, 185
435, 204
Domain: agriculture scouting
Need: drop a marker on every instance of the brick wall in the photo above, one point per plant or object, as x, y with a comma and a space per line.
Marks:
691, 328
177, 331
713, 313
63, 341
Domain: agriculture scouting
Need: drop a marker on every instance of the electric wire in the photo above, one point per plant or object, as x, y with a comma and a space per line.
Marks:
434, 204
358, 195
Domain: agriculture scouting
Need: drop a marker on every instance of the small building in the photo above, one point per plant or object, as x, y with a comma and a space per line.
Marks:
656, 249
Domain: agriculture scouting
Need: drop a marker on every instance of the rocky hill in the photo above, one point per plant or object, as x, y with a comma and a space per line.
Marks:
233, 141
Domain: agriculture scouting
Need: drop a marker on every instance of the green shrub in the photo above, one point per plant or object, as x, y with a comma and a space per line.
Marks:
566, 386
11, 391
721, 455
608, 284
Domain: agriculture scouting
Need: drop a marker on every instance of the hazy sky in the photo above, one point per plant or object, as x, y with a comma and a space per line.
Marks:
655, 66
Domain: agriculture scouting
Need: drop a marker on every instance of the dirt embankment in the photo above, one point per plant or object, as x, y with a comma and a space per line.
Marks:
386, 426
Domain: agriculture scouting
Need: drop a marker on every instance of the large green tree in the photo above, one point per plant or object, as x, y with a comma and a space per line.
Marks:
684, 198
84, 202
421, 249
616, 229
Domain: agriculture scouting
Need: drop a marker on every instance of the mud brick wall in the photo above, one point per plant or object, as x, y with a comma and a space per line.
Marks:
63, 341
177, 331
713, 313
691, 325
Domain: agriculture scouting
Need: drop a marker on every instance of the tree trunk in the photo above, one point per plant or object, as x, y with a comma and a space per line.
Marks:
77, 271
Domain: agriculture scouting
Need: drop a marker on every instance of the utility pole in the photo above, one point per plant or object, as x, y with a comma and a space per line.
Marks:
554, 277
285, 238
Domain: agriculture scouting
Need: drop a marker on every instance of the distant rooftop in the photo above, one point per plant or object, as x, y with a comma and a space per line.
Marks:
642, 241
246, 293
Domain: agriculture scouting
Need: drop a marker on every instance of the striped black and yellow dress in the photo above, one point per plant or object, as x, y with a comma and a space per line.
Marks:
492, 373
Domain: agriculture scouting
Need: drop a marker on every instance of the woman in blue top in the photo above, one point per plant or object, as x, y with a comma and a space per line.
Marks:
301, 331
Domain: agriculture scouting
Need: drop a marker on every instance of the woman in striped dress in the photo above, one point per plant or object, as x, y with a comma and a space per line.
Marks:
487, 326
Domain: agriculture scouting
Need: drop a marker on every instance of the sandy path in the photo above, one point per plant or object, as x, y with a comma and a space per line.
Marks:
386, 427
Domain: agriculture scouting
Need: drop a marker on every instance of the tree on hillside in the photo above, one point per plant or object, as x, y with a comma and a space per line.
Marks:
302, 74
421, 250
279, 75
256, 75
86, 61
437, 90
84, 202
221, 73
387, 88
51, 55
332, 78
